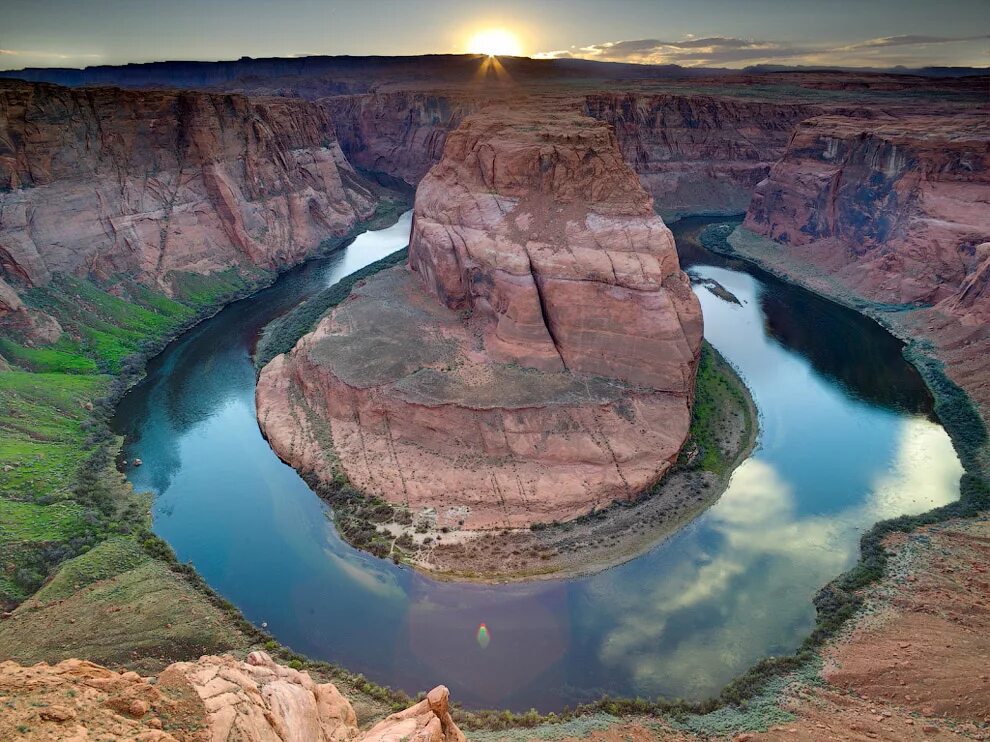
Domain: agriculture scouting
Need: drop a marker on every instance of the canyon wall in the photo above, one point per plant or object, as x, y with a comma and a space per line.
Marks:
895, 208
103, 181
693, 153
399, 133
698, 153
534, 361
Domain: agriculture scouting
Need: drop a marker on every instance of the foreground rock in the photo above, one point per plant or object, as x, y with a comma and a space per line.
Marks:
536, 359
215, 699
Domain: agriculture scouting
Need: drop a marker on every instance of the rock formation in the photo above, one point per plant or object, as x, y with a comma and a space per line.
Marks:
897, 210
693, 153
103, 181
534, 361
699, 153
894, 207
215, 699
400, 133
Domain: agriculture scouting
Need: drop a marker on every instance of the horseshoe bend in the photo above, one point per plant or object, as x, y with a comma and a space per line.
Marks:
533, 360
652, 366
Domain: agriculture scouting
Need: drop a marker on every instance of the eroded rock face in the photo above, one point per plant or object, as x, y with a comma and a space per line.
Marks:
535, 360
215, 699
698, 153
534, 222
693, 153
896, 209
101, 181
400, 133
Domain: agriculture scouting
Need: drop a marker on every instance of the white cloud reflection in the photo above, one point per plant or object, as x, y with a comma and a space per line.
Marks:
710, 618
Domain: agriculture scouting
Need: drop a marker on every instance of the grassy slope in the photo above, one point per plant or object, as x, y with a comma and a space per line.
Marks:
59, 493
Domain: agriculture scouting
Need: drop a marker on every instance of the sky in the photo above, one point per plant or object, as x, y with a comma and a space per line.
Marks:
724, 33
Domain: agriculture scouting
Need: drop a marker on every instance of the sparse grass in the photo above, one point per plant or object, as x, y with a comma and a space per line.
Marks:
717, 389
112, 557
26, 521
43, 440
214, 289
64, 357
282, 334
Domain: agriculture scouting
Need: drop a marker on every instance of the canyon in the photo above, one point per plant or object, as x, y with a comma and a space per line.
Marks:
536, 358
470, 388
893, 210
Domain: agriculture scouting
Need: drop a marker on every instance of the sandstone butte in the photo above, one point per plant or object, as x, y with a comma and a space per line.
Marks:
534, 360
103, 181
215, 699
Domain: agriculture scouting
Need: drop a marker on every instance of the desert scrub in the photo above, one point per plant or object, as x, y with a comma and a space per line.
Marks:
109, 558
281, 335
717, 389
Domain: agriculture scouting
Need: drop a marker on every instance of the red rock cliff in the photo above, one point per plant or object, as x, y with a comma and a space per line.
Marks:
894, 206
897, 209
400, 133
536, 223
697, 152
99, 181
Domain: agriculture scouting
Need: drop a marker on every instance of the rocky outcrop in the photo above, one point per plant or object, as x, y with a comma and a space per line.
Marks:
535, 223
536, 359
215, 699
103, 181
693, 153
698, 153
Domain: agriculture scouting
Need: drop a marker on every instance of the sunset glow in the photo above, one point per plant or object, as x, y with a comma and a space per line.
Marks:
495, 42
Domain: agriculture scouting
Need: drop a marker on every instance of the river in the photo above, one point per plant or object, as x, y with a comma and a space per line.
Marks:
847, 437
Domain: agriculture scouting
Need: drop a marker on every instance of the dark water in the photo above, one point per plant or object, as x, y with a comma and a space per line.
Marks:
846, 439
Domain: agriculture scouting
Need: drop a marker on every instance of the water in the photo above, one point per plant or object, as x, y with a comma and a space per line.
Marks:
847, 438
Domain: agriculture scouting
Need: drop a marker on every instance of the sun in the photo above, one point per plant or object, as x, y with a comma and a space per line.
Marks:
495, 42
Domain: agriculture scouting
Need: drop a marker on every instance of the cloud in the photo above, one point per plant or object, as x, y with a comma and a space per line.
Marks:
755, 562
731, 51
46, 54
913, 40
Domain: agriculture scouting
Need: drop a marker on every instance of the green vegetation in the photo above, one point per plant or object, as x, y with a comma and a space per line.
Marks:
108, 559
717, 390
68, 516
60, 494
282, 334
62, 502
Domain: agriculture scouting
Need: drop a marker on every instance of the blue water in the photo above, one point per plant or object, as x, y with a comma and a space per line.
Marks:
846, 438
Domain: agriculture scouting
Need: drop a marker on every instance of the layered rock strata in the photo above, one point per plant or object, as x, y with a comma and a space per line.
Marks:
534, 361
896, 210
699, 153
399, 133
102, 181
